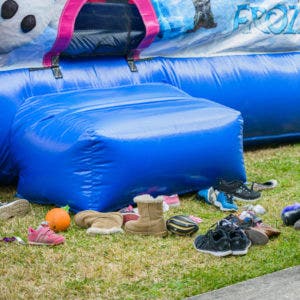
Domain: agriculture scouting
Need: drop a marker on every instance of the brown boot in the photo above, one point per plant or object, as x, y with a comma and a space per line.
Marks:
257, 237
99, 223
151, 220
267, 229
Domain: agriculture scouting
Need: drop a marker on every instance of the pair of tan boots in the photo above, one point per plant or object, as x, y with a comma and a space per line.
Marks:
150, 222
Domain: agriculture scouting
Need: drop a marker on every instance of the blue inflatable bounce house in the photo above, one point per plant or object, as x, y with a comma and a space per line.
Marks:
103, 100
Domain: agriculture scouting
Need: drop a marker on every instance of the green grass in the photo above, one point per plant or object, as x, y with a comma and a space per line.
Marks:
135, 267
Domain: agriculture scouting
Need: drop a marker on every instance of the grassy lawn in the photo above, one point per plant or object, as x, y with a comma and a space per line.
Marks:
134, 267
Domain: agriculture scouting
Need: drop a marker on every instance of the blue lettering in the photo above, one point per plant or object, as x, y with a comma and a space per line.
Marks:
290, 28
240, 20
257, 14
283, 19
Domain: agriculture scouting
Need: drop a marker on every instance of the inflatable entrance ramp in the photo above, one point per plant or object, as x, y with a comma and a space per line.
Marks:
97, 149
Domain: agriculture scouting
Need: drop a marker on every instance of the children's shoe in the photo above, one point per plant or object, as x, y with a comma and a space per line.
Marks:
17, 208
289, 218
129, 214
239, 242
225, 202
43, 235
257, 209
249, 218
127, 209
248, 225
214, 242
257, 237
291, 207
238, 190
270, 184
207, 195
267, 229
172, 201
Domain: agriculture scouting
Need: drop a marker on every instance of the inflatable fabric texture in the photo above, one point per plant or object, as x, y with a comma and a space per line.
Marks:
264, 88
97, 149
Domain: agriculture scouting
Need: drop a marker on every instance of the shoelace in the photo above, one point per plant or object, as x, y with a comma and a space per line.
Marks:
226, 224
237, 184
229, 198
246, 190
205, 238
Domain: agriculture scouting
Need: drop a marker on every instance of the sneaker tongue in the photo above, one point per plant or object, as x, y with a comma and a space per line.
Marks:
224, 222
227, 224
43, 225
230, 199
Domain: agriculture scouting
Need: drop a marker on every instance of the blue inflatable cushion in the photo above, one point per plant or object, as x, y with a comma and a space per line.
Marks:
97, 149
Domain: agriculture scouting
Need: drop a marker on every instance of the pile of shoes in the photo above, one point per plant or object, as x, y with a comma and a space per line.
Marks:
235, 234
224, 194
258, 232
148, 221
225, 239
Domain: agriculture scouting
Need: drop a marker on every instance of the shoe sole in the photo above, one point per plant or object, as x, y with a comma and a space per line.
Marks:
257, 237
219, 205
17, 208
43, 244
242, 252
218, 254
245, 200
158, 234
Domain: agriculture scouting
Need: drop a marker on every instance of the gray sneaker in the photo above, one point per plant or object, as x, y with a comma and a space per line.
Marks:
17, 208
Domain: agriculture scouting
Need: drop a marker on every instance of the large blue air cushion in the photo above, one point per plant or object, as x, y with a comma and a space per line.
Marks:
97, 149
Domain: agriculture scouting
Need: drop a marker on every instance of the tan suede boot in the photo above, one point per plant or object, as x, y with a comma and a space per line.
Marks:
267, 229
151, 220
99, 223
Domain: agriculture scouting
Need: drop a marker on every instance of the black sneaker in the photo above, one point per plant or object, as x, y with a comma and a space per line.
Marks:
215, 242
289, 218
238, 190
256, 237
239, 242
